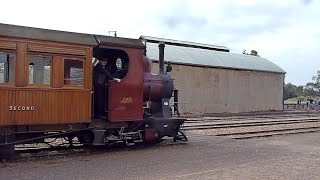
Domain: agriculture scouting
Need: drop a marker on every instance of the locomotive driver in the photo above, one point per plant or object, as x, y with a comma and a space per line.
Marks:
101, 78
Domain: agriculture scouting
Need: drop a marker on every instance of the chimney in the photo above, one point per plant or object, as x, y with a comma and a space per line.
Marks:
161, 57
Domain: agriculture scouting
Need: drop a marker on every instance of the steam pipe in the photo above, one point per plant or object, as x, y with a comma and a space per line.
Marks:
161, 57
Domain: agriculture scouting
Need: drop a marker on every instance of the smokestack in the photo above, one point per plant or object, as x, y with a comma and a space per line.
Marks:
161, 57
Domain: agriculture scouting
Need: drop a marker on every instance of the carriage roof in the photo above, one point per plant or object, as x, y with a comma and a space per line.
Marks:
7, 30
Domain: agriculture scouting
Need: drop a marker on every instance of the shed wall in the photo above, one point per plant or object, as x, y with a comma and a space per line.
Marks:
213, 90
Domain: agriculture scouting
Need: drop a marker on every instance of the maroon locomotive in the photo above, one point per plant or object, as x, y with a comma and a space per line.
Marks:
47, 90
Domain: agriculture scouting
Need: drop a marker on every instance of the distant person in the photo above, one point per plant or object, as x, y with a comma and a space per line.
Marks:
311, 101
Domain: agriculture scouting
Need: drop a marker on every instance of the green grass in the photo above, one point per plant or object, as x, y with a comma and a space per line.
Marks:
291, 100
301, 98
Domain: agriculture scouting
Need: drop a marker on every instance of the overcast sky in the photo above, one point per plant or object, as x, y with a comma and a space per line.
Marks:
285, 32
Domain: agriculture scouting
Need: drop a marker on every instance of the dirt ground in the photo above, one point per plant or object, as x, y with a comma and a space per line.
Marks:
203, 157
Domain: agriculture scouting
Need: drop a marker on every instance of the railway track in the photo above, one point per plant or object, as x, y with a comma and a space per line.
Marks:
269, 133
37, 152
259, 117
235, 127
34, 154
239, 127
247, 124
44, 151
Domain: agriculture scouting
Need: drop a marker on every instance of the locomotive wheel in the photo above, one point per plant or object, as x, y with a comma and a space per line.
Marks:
6, 151
151, 136
86, 138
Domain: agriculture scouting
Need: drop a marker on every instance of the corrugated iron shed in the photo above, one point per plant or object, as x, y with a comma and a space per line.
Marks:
208, 57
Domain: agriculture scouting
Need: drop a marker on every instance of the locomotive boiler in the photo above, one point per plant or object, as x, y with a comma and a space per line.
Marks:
47, 91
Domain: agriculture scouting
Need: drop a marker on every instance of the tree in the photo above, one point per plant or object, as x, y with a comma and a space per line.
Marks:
311, 89
300, 90
317, 77
290, 91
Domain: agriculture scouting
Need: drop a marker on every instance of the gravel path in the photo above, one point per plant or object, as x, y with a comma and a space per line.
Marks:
205, 157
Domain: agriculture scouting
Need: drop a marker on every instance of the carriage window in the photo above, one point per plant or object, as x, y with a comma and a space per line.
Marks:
6, 68
73, 72
39, 69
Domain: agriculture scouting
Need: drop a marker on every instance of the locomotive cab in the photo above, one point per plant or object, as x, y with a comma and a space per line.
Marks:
124, 99
116, 67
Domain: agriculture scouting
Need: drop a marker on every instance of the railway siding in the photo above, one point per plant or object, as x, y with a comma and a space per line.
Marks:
244, 127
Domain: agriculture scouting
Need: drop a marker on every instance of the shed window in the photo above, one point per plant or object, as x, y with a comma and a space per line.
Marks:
39, 69
6, 68
73, 72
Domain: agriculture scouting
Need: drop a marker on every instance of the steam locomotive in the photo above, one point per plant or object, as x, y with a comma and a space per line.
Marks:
46, 90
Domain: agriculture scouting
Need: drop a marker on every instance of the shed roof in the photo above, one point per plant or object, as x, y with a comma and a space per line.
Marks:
211, 58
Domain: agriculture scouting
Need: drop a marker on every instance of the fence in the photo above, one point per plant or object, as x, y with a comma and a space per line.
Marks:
301, 107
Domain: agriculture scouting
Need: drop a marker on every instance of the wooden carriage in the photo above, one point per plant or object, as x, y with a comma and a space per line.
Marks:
46, 78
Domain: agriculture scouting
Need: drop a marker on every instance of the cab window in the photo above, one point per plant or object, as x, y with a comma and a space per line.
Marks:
39, 69
6, 67
118, 60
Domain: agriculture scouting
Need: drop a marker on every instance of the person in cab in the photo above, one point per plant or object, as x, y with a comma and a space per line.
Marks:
101, 78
